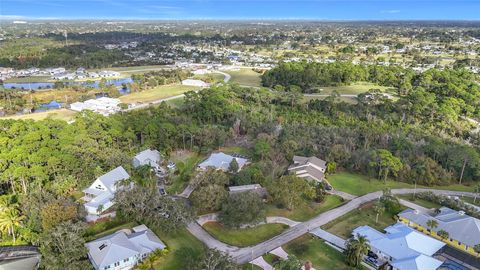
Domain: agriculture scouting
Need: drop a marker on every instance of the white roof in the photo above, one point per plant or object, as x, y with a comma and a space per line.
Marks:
409, 249
221, 161
112, 177
148, 157
192, 82
119, 246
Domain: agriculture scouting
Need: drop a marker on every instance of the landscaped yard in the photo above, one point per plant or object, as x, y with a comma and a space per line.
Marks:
177, 243
60, 114
358, 184
306, 211
186, 162
156, 93
364, 215
245, 76
244, 237
103, 228
322, 256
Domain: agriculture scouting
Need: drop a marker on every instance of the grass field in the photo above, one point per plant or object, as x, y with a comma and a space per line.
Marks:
306, 211
211, 78
156, 93
470, 200
176, 244
321, 255
357, 184
103, 228
60, 114
245, 76
364, 215
421, 202
28, 79
244, 237
350, 100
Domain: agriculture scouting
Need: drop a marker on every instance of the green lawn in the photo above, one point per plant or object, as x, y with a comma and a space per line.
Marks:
321, 255
364, 215
236, 150
177, 242
29, 79
244, 237
156, 93
103, 228
470, 200
350, 100
245, 76
421, 202
211, 78
60, 114
358, 184
306, 211
176, 184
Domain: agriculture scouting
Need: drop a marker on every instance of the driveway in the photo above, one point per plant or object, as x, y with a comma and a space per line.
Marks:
247, 254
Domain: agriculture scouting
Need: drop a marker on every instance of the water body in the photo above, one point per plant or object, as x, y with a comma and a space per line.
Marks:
51, 85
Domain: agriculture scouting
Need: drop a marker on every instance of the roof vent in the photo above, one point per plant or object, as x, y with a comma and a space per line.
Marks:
416, 212
461, 213
102, 246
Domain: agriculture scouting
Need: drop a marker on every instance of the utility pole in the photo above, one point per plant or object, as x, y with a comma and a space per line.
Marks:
66, 37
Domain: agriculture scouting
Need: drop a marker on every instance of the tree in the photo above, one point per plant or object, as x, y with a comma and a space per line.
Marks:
216, 260
145, 205
242, 208
443, 234
385, 162
476, 189
476, 248
10, 220
290, 191
356, 248
292, 263
63, 246
233, 166
389, 201
378, 208
58, 211
261, 149
432, 224
210, 190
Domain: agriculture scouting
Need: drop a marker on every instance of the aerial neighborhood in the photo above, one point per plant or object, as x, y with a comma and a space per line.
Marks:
130, 143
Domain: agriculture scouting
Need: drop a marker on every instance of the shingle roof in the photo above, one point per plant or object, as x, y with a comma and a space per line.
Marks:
301, 164
299, 160
459, 226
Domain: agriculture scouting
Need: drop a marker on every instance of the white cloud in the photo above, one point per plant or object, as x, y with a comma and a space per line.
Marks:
391, 11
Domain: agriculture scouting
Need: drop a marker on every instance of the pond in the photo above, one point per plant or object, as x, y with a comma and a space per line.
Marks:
51, 85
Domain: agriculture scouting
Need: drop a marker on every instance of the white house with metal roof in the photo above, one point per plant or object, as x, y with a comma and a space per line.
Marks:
102, 191
123, 250
148, 157
221, 161
402, 247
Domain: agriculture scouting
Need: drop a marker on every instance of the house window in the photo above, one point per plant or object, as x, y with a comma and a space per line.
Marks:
117, 264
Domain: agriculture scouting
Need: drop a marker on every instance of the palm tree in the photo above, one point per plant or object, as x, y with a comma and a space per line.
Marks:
357, 247
443, 234
10, 220
432, 224
476, 248
378, 208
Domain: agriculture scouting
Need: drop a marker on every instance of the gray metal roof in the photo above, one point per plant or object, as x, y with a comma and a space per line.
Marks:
112, 177
460, 227
221, 161
148, 157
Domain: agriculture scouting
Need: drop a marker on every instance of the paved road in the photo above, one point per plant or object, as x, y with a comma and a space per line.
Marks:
244, 255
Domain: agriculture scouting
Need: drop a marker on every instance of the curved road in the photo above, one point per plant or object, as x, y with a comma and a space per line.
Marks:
247, 254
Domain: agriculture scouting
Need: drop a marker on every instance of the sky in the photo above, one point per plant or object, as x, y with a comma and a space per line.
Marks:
242, 9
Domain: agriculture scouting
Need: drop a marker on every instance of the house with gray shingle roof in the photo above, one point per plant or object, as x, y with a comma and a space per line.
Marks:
221, 161
309, 168
123, 250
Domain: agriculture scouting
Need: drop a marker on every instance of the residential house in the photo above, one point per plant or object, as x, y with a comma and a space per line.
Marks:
198, 83
221, 161
310, 168
100, 194
103, 105
402, 247
123, 250
463, 230
147, 157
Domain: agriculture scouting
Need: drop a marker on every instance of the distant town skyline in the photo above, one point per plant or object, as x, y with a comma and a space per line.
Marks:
241, 9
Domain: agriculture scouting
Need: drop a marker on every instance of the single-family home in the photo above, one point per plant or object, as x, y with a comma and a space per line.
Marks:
148, 157
463, 230
98, 197
402, 247
310, 168
221, 161
102, 105
192, 82
124, 249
